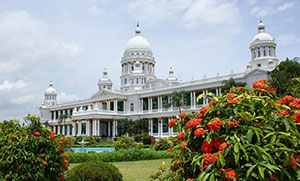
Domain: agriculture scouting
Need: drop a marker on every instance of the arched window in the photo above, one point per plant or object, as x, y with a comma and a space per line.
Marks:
125, 81
132, 67
258, 50
131, 107
265, 53
137, 81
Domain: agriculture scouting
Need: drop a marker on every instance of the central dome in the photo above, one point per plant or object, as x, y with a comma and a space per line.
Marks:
138, 42
263, 36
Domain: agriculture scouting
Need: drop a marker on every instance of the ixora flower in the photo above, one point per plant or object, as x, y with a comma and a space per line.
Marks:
199, 132
230, 95
193, 123
37, 134
189, 179
181, 115
228, 174
172, 122
203, 110
224, 146
183, 145
208, 159
234, 124
180, 135
233, 101
215, 124
44, 163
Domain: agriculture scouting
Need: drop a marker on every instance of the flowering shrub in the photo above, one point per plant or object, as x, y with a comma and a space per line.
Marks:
30, 152
67, 142
245, 134
163, 144
124, 142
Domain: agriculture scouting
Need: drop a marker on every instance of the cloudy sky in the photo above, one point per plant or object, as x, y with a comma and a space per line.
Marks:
71, 41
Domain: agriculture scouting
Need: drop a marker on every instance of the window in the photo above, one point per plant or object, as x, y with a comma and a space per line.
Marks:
143, 67
265, 53
132, 81
259, 65
270, 51
258, 52
137, 81
254, 54
132, 67
125, 81
131, 107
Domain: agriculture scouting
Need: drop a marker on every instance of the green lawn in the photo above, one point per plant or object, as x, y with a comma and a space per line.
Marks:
137, 170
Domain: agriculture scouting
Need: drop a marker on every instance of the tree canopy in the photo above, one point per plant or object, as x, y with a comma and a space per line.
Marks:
283, 74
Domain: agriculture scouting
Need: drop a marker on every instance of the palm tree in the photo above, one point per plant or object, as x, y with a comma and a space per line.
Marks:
63, 117
228, 84
177, 98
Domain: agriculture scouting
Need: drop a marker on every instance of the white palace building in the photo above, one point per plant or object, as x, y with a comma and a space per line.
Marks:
142, 95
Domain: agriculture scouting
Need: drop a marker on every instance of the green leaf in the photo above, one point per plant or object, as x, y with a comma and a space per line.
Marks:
206, 176
249, 135
236, 148
270, 134
200, 97
212, 177
261, 171
250, 170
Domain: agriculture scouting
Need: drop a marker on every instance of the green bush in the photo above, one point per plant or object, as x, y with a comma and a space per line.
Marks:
133, 154
148, 140
163, 144
95, 145
30, 152
67, 142
109, 141
124, 142
139, 137
90, 139
78, 139
94, 171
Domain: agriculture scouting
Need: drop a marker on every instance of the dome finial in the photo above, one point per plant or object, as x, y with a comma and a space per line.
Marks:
137, 29
51, 83
261, 26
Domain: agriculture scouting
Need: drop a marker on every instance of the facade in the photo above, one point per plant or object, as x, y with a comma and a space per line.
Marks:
142, 95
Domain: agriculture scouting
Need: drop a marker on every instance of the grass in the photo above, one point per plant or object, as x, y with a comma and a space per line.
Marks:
137, 170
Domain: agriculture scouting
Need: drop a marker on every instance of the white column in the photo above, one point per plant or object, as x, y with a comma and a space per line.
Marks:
108, 124
87, 128
94, 127
79, 128
68, 130
160, 103
124, 106
206, 98
220, 91
100, 106
108, 105
150, 104
217, 91
74, 129
160, 131
149, 126
114, 129
58, 129
141, 105
115, 106
63, 129
194, 98
54, 115
99, 128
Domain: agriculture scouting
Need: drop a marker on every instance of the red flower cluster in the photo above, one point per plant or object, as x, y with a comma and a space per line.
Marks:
203, 110
52, 135
294, 162
181, 115
44, 163
199, 132
260, 84
172, 122
189, 179
228, 174
208, 159
66, 156
213, 102
284, 112
60, 142
223, 146
170, 149
297, 117
176, 164
232, 101
295, 103
37, 134
235, 124
287, 98
193, 123
217, 123
230, 95
42, 155
212, 146
183, 145
274, 178
180, 135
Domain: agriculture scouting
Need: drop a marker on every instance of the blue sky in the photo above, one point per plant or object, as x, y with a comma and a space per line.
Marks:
71, 41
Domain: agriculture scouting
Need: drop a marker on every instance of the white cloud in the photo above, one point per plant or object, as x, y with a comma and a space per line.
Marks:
7, 85
95, 10
22, 99
63, 97
28, 46
211, 12
188, 12
270, 8
288, 39
285, 6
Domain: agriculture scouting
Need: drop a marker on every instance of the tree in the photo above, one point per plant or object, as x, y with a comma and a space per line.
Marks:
125, 127
283, 74
140, 126
294, 89
228, 84
177, 98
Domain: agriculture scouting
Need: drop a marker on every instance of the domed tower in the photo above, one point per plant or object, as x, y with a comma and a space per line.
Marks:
50, 95
262, 48
105, 82
138, 63
171, 78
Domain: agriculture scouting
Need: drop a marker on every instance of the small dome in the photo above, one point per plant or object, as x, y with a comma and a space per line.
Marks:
263, 36
138, 42
50, 90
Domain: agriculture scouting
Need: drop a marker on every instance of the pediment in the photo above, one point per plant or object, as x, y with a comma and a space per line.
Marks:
106, 94
256, 71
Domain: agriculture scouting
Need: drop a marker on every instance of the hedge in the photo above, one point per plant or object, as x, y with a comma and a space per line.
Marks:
118, 156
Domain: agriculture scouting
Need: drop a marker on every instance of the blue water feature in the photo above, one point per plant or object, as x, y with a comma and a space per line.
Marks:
92, 149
